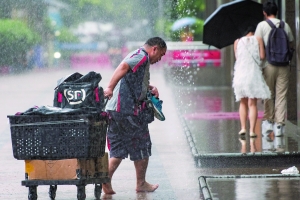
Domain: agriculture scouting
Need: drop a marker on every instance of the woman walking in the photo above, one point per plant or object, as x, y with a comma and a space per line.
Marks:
248, 82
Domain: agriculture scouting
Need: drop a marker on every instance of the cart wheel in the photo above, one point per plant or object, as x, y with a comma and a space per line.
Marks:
32, 194
52, 191
97, 191
81, 192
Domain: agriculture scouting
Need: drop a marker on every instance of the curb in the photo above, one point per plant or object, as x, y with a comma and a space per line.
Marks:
188, 136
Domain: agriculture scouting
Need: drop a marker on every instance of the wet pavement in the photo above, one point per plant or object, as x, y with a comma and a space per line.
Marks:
239, 165
212, 117
198, 141
270, 187
172, 165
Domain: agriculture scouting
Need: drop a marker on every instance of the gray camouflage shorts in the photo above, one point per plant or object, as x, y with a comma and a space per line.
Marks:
128, 136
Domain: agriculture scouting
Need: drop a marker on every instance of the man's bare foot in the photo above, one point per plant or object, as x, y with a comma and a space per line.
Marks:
107, 188
147, 187
106, 196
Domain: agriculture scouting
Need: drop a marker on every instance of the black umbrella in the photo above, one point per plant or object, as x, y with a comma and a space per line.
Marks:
230, 21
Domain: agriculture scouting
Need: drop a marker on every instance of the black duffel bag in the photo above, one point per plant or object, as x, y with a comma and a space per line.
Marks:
78, 91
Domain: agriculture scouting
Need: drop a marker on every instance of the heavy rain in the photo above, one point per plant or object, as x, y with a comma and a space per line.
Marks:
197, 151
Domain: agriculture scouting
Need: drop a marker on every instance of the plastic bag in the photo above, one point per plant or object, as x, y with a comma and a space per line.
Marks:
291, 170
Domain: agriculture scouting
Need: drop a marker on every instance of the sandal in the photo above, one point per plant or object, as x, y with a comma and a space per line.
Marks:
242, 132
253, 135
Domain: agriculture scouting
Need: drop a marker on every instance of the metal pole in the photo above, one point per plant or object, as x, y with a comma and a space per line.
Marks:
283, 9
297, 59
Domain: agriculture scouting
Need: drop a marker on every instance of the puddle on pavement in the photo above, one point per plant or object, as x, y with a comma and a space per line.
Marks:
221, 136
211, 114
254, 188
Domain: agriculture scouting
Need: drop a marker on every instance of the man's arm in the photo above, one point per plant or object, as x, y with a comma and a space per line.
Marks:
259, 31
290, 35
119, 73
261, 46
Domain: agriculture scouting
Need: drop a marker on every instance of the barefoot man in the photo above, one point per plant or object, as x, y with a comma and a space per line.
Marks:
127, 133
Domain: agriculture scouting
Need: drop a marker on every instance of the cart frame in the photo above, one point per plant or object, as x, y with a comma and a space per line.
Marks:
80, 183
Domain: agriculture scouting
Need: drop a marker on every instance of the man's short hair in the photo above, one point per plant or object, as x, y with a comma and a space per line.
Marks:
156, 41
270, 8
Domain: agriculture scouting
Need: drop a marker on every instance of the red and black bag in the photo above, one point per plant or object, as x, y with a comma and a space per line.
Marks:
79, 91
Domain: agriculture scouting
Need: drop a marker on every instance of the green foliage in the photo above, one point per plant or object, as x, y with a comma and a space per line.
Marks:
132, 14
198, 28
187, 8
66, 36
16, 38
48, 28
116, 11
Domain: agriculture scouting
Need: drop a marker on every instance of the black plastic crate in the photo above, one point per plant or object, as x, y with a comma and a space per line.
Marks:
53, 137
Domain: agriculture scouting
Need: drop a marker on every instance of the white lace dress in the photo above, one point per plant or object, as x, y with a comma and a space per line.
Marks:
248, 80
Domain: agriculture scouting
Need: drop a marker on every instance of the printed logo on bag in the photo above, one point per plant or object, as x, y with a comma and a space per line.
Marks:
75, 97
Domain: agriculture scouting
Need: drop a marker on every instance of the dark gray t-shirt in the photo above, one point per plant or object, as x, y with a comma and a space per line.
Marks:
133, 86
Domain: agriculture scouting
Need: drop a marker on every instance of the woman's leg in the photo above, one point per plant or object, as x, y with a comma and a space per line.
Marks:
252, 103
243, 111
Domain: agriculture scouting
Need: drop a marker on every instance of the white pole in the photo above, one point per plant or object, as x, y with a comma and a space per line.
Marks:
283, 10
297, 59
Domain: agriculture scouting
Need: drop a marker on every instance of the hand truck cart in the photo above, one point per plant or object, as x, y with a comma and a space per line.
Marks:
59, 136
80, 184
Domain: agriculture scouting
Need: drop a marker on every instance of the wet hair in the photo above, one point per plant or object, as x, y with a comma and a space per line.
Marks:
156, 41
270, 8
249, 29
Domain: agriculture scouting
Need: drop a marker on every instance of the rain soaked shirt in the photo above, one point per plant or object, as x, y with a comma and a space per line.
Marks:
132, 88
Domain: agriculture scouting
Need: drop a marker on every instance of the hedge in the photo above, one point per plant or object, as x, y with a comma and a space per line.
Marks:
16, 38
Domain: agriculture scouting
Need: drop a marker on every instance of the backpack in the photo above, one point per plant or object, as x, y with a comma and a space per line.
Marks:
78, 91
278, 51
